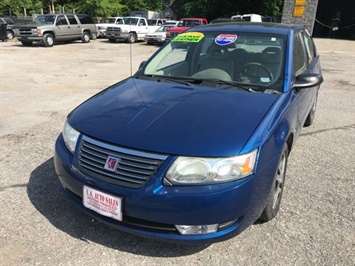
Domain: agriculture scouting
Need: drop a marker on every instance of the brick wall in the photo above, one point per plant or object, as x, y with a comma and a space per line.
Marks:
308, 17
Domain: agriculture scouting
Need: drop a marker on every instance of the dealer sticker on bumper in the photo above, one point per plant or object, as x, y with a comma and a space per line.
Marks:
102, 203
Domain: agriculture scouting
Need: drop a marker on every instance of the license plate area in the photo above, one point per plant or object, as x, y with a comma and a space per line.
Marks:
102, 203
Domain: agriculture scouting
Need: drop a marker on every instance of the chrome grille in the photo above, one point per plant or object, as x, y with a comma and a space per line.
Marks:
134, 169
114, 29
27, 31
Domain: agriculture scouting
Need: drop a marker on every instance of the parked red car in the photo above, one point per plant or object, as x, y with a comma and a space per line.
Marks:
184, 24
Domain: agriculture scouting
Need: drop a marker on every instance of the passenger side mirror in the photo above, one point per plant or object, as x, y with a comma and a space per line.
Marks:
304, 81
142, 64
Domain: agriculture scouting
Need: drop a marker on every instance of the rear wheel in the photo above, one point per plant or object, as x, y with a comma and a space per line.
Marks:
24, 43
85, 37
132, 38
274, 199
48, 40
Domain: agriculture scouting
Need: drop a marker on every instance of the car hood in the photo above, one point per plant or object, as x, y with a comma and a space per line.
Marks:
171, 118
178, 29
157, 33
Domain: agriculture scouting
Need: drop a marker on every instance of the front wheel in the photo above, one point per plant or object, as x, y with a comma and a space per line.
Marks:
274, 200
10, 34
85, 37
94, 36
132, 38
48, 40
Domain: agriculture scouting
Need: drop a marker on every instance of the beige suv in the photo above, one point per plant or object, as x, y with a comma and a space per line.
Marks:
50, 28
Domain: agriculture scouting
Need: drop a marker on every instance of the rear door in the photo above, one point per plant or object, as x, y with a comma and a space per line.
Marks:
75, 27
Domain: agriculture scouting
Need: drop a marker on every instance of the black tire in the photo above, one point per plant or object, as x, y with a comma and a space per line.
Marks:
48, 40
10, 34
312, 113
112, 40
85, 37
24, 43
132, 38
274, 200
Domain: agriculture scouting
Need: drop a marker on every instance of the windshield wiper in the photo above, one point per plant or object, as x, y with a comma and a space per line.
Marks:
185, 81
230, 83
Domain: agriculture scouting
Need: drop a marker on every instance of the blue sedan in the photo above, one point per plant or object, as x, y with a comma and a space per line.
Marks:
193, 148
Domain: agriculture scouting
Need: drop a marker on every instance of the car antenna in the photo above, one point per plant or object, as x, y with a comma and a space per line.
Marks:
130, 57
130, 52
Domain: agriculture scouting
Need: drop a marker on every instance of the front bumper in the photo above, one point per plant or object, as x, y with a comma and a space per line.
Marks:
153, 210
30, 38
117, 36
154, 39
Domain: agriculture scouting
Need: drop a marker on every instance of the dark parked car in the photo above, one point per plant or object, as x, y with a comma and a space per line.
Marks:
9, 27
193, 148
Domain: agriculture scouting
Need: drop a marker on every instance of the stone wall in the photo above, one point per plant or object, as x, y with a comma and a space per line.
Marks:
308, 17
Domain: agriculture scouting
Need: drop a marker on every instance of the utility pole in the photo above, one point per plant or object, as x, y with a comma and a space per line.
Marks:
53, 11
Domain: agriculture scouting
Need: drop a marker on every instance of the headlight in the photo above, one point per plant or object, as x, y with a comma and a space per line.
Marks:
70, 136
125, 31
203, 171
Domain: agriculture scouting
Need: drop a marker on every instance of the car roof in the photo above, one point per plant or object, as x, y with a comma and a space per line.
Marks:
263, 27
190, 18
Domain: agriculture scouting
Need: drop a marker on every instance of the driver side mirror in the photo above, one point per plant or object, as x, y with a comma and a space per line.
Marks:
304, 81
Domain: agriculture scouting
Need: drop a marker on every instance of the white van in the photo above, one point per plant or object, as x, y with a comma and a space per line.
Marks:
248, 17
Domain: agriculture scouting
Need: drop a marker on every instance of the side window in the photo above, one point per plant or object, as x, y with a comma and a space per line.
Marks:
142, 22
61, 20
84, 19
72, 19
309, 45
300, 60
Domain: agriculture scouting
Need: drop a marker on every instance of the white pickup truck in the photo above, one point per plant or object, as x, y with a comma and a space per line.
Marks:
129, 29
107, 22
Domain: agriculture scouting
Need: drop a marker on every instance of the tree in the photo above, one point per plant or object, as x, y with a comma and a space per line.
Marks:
16, 8
100, 8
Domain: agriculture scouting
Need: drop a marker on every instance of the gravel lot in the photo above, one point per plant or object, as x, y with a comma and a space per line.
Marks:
40, 86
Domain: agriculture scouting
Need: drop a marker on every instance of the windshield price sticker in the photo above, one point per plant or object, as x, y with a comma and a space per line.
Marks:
189, 37
225, 39
102, 203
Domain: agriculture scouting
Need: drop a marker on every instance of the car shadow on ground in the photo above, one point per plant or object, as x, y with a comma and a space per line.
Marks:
40, 44
45, 192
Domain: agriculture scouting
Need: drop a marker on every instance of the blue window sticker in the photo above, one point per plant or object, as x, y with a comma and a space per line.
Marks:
225, 39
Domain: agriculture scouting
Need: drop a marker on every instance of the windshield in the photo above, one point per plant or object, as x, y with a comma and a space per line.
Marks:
110, 20
250, 59
45, 19
128, 21
163, 28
